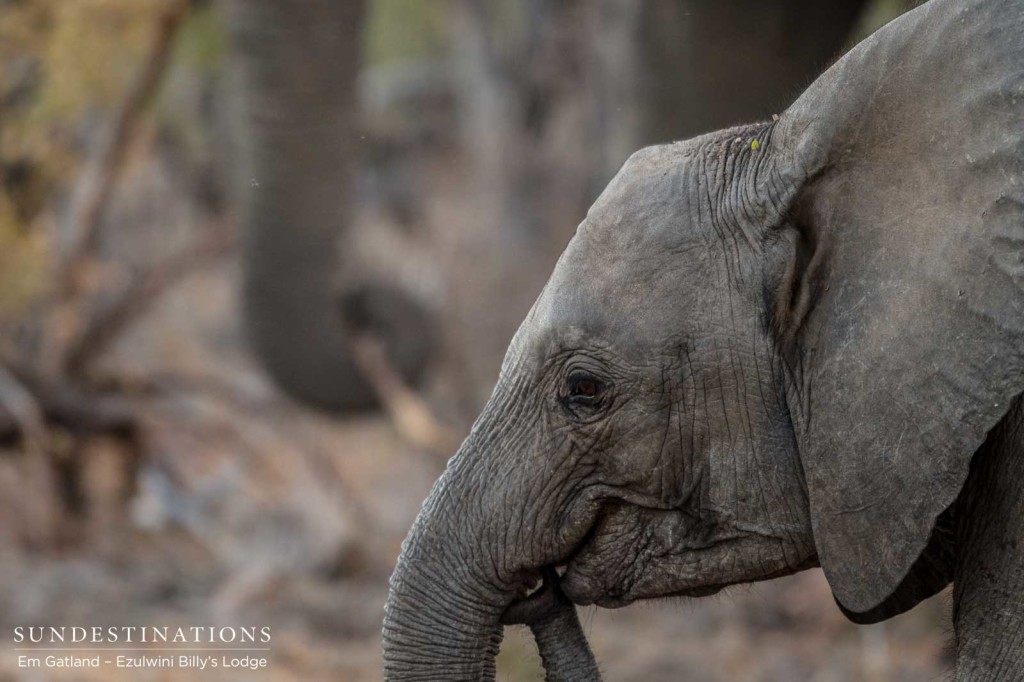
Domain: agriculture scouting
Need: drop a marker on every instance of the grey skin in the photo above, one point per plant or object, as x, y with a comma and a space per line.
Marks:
756, 358
556, 628
294, 65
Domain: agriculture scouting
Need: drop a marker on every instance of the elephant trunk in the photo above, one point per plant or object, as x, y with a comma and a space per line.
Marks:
442, 617
556, 628
493, 521
434, 630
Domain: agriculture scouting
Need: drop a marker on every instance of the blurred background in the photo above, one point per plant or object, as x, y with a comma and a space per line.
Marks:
259, 264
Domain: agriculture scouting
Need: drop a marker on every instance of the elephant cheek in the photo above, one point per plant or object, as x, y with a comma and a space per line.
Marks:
627, 558
603, 570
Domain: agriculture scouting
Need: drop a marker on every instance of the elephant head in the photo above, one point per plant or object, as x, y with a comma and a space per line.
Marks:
765, 348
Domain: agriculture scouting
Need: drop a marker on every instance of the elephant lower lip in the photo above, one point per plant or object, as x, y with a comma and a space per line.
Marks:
702, 591
585, 594
582, 592
573, 591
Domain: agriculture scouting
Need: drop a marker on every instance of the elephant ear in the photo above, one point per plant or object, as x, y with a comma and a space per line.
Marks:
906, 166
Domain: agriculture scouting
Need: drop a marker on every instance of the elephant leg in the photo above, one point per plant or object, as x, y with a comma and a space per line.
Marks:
988, 593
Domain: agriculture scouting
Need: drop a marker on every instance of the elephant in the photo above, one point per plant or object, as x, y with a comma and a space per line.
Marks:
294, 66
783, 345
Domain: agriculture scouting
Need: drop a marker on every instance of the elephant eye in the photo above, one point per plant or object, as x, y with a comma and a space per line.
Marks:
583, 388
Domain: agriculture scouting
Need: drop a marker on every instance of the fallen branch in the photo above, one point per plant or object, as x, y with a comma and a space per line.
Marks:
36, 403
413, 420
23, 413
48, 419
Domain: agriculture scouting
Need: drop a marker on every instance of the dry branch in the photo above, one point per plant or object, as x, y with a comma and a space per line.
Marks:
94, 191
412, 418
35, 403
98, 181
103, 329
25, 415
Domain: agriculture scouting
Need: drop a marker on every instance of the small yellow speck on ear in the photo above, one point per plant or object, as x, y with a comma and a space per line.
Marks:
755, 145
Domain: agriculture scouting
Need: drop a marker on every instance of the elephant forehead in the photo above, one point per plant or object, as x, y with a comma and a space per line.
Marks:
623, 297
633, 271
649, 206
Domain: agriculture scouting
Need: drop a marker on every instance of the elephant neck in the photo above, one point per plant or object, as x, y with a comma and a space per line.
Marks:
988, 596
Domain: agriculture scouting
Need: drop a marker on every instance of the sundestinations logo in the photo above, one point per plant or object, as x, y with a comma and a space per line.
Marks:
193, 647
142, 634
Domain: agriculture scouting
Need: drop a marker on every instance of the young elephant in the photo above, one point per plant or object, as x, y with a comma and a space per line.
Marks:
769, 348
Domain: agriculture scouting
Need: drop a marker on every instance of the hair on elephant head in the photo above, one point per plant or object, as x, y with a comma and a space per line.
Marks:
765, 348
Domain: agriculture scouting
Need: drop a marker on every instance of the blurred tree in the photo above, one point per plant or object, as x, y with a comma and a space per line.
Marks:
529, 125
296, 65
708, 65
58, 75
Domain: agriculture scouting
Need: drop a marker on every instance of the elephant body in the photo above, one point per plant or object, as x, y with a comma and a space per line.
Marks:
777, 346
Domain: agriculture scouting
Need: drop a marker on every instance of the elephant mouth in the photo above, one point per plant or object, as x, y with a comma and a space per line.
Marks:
608, 574
585, 589
586, 583
532, 599
534, 582
589, 574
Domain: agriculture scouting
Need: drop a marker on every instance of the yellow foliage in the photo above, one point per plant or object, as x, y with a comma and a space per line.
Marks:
22, 261
62, 63
95, 49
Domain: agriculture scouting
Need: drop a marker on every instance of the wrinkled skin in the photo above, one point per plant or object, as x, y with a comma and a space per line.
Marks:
556, 628
767, 348
669, 446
